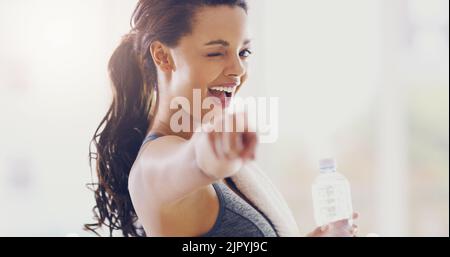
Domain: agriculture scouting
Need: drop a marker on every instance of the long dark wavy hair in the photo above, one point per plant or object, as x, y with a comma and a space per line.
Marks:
133, 74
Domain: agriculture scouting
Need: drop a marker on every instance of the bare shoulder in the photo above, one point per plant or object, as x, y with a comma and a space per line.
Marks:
152, 156
153, 150
192, 215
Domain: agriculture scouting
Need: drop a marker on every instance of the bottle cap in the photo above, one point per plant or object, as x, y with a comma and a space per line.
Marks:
327, 165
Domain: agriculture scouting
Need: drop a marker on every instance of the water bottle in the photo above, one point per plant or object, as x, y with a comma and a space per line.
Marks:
331, 195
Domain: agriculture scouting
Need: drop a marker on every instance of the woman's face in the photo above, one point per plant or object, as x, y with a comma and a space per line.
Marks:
213, 58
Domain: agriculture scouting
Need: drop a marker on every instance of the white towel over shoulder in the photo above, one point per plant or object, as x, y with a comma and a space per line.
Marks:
257, 187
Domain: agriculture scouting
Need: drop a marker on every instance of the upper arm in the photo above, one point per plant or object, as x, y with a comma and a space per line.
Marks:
192, 215
170, 194
168, 169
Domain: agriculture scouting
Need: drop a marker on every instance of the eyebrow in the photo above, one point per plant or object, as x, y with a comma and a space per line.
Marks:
223, 42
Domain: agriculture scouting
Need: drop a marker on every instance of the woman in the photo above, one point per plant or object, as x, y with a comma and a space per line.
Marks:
176, 182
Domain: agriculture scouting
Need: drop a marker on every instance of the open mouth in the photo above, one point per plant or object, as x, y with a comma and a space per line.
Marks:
223, 93
218, 91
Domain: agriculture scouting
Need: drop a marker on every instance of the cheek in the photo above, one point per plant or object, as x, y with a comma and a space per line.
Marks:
204, 74
195, 73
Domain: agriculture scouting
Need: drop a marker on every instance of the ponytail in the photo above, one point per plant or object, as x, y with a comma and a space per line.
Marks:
119, 136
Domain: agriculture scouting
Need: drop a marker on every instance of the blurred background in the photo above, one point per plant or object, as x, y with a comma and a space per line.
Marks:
363, 81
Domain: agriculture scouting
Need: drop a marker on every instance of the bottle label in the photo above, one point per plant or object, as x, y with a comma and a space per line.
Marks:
332, 202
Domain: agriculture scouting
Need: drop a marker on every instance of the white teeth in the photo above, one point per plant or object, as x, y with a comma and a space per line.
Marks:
225, 89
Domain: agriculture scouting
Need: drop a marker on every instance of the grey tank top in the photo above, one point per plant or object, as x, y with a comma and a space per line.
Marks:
237, 217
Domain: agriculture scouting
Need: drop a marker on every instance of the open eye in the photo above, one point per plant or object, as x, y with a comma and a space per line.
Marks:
245, 53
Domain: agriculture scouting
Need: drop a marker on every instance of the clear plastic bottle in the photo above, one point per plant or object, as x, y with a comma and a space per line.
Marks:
331, 195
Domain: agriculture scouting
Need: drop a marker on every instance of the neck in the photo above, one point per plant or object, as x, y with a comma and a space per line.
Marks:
161, 122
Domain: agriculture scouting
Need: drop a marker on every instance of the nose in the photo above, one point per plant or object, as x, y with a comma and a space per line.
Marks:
235, 67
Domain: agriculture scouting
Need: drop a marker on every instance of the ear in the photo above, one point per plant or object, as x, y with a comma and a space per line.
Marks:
161, 56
